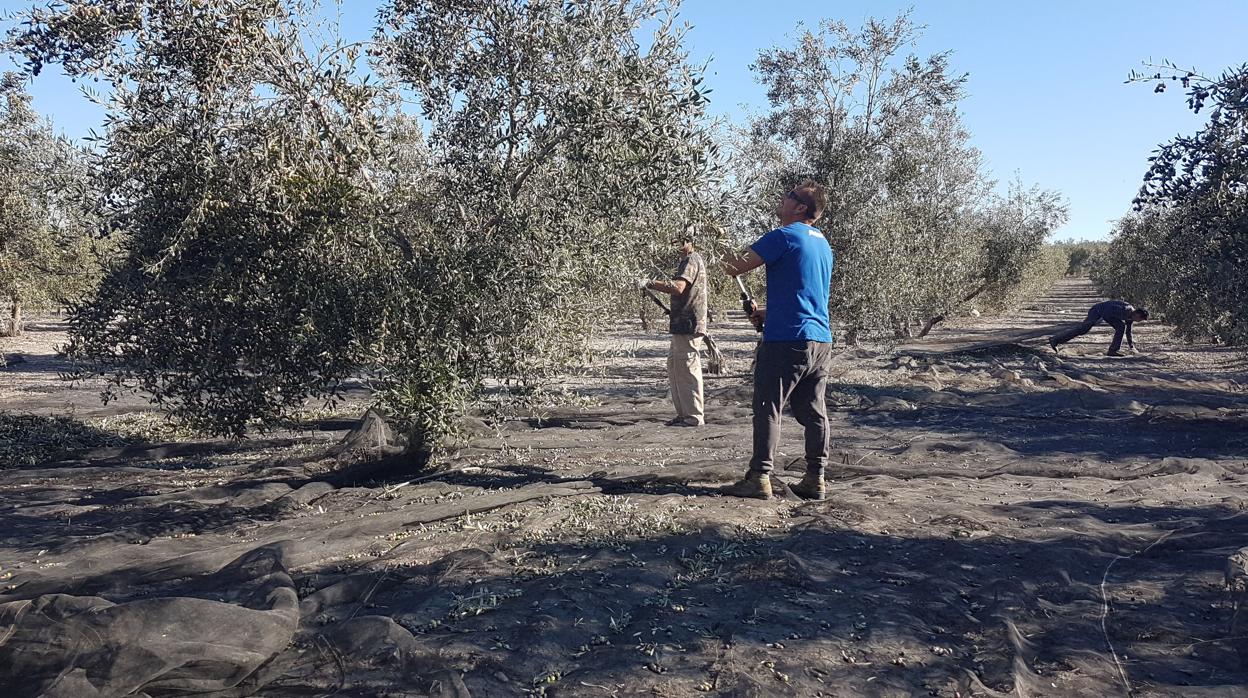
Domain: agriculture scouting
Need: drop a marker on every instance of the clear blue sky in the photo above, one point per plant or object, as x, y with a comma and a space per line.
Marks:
1046, 93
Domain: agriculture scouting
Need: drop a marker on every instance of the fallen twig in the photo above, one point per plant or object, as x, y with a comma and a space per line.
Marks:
467, 469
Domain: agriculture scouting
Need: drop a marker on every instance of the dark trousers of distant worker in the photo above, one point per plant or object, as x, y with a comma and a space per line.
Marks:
1086, 326
795, 373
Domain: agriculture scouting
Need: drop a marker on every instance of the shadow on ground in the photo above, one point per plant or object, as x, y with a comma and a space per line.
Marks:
603, 597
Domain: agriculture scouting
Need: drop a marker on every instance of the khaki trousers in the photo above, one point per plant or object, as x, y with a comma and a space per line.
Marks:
684, 375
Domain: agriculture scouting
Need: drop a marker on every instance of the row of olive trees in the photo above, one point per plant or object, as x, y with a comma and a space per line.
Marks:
918, 232
48, 254
1184, 251
1081, 255
285, 228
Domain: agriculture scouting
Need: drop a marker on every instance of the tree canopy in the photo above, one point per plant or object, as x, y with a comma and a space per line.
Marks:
47, 245
285, 230
1184, 250
286, 223
911, 214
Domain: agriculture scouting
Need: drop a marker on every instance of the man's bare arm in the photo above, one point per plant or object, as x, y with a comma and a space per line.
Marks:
675, 287
743, 261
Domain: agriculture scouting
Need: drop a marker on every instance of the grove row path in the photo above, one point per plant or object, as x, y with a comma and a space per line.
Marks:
1000, 521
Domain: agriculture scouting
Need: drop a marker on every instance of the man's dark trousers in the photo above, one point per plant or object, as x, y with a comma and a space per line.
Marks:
795, 373
1086, 326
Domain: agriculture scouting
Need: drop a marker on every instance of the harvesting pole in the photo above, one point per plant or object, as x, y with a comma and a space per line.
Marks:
748, 305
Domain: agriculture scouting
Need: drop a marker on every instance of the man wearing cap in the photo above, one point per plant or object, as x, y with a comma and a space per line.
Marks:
687, 324
794, 356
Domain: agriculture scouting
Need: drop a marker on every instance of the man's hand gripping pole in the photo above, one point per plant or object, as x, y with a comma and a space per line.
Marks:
657, 301
749, 306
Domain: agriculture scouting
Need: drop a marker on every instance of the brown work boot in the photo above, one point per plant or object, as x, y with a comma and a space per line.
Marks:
754, 485
810, 487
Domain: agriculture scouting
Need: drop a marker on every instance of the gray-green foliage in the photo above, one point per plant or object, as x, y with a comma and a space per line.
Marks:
287, 230
1081, 255
910, 215
558, 150
1131, 268
1013, 229
232, 171
47, 253
1184, 251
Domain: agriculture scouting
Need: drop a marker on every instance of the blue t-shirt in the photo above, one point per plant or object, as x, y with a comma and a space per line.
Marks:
799, 273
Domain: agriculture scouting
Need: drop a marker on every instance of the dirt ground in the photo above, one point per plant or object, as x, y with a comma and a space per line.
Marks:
1007, 522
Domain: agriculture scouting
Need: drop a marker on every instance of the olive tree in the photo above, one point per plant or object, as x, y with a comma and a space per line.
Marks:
1014, 263
233, 172
559, 149
911, 216
47, 253
1138, 265
287, 228
1184, 251
1081, 255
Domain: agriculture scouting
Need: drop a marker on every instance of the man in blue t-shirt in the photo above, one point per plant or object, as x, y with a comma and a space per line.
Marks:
793, 358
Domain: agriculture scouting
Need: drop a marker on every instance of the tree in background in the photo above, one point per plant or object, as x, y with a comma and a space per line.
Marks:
286, 230
1136, 264
1016, 265
1081, 255
1010, 263
1184, 252
910, 215
47, 253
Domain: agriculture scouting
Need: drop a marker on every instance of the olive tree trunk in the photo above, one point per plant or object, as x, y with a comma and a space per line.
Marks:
15, 317
927, 326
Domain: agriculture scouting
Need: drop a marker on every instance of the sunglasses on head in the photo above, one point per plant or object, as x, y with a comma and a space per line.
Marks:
793, 195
